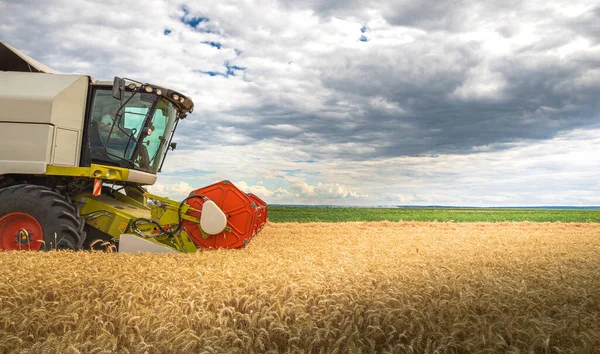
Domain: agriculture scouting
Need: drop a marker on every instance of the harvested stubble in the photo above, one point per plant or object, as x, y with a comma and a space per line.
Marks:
345, 287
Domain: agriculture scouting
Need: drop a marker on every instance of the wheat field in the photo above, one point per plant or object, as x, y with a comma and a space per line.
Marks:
359, 287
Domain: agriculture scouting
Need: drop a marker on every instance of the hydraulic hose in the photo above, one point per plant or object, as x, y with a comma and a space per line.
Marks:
163, 231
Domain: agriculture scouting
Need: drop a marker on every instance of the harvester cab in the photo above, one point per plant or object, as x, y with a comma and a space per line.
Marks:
130, 124
76, 153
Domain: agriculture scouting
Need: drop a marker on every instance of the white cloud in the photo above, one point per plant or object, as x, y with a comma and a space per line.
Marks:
321, 191
299, 191
482, 104
482, 82
560, 171
177, 190
257, 189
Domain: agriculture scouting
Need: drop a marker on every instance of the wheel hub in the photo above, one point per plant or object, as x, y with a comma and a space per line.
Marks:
20, 231
23, 237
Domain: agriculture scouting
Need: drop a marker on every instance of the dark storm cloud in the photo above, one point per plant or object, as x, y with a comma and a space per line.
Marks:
444, 15
455, 15
447, 102
542, 98
539, 94
428, 14
425, 96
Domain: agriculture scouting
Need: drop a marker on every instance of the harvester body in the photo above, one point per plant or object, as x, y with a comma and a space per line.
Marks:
88, 148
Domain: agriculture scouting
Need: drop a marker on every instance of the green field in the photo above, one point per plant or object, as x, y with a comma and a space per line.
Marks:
339, 214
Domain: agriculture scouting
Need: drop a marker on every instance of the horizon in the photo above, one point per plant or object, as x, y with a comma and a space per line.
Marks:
353, 103
563, 207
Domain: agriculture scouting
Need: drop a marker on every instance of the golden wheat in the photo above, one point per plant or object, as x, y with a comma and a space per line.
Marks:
319, 288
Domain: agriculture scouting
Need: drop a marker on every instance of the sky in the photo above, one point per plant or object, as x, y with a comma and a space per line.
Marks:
365, 103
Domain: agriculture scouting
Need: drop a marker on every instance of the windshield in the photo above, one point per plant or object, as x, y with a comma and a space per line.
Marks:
115, 140
155, 144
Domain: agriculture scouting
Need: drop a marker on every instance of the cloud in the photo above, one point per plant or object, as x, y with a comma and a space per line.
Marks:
257, 189
435, 84
558, 171
176, 191
300, 191
299, 188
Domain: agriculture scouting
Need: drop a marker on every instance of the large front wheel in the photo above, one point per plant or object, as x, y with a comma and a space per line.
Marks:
38, 218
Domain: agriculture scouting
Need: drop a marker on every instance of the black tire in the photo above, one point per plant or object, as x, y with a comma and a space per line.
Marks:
53, 211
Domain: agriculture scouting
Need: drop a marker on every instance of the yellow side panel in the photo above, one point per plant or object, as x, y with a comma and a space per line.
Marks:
95, 171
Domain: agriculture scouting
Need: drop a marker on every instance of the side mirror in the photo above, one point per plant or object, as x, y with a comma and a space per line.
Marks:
118, 88
173, 146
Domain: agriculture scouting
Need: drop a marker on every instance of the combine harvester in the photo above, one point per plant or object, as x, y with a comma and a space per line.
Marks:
75, 154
